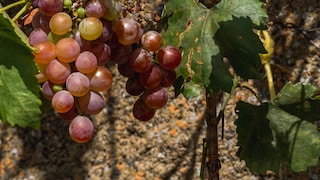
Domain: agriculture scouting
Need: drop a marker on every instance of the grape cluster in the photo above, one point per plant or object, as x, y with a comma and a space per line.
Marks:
147, 78
74, 42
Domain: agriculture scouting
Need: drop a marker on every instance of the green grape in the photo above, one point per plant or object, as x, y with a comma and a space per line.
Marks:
81, 12
90, 28
67, 3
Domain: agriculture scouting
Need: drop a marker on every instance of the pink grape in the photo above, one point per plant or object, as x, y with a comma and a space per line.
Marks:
81, 129
86, 62
92, 103
47, 90
58, 72
95, 8
50, 7
62, 101
78, 84
37, 36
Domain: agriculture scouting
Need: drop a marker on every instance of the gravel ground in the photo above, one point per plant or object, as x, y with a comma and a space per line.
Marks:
170, 145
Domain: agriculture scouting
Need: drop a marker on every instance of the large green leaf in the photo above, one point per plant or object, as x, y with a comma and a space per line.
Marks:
192, 26
19, 89
274, 130
255, 138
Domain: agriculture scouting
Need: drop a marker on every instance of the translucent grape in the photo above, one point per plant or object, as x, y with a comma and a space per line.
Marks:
86, 62
101, 79
141, 111
92, 103
128, 31
81, 129
67, 50
46, 52
62, 101
78, 84
90, 28
169, 57
60, 23
58, 72
151, 41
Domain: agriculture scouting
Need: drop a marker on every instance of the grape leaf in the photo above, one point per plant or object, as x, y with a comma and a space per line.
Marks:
192, 26
292, 138
255, 138
19, 89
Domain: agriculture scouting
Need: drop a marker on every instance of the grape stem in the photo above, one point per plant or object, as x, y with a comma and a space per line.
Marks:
213, 162
22, 10
12, 5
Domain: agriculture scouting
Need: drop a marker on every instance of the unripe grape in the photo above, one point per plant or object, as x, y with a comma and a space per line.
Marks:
90, 28
60, 23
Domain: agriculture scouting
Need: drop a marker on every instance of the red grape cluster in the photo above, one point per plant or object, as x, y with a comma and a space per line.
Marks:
74, 42
147, 77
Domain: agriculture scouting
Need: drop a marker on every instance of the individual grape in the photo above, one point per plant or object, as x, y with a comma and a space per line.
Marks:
140, 60
62, 101
58, 72
47, 90
95, 8
155, 98
151, 41
141, 111
50, 7
126, 70
69, 115
92, 103
102, 52
152, 77
86, 62
67, 3
169, 77
67, 50
128, 31
106, 31
81, 129
133, 86
37, 36
113, 9
169, 57
101, 79
60, 23
81, 12
90, 28
78, 84
46, 52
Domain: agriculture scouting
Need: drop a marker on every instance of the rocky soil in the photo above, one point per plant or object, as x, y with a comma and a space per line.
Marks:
169, 147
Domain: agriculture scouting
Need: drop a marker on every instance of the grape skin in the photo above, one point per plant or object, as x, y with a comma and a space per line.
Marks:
67, 50
86, 62
81, 129
58, 72
78, 84
62, 101
60, 23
